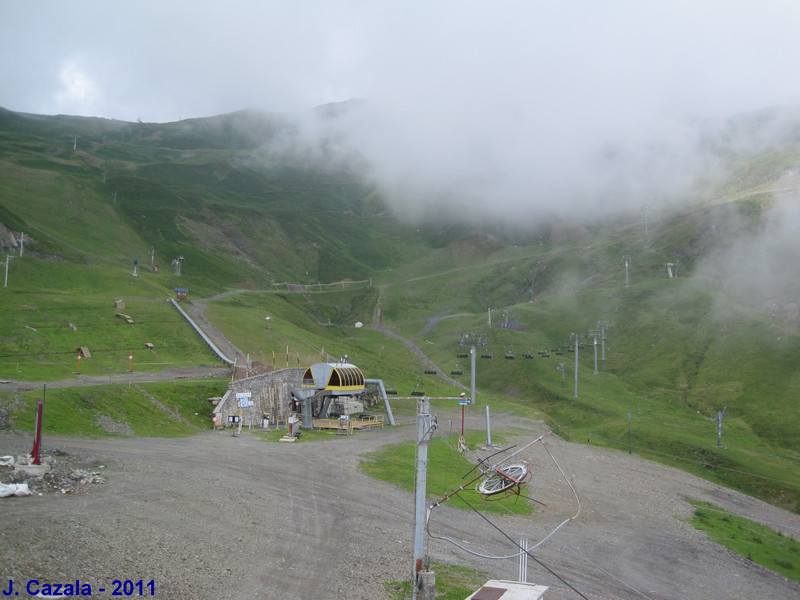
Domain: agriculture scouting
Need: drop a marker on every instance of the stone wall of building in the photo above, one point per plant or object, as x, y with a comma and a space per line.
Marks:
270, 393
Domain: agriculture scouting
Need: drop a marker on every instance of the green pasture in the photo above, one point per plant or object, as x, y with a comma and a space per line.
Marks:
147, 409
54, 309
749, 539
307, 328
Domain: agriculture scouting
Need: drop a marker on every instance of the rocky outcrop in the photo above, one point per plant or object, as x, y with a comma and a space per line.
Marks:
8, 239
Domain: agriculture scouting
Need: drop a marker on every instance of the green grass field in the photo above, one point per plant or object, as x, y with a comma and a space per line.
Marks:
751, 540
147, 410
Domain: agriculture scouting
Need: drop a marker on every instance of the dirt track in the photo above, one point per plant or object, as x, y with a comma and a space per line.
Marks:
216, 516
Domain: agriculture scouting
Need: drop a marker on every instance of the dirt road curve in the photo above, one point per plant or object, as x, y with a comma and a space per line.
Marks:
216, 517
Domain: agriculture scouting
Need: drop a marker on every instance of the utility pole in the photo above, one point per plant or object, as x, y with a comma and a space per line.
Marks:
594, 335
473, 352
561, 368
603, 326
670, 272
575, 335
627, 260
5, 281
629, 433
488, 429
422, 580
473, 342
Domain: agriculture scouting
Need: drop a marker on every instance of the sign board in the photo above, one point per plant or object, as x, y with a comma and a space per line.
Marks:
244, 399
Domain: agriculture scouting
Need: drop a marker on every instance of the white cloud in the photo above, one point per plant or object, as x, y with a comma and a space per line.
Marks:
78, 93
523, 101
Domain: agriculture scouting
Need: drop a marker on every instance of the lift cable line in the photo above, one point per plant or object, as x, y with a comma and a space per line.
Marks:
522, 549
493, 469
527, 552
483, 461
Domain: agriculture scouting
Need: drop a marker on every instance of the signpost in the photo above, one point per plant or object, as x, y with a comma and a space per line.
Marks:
244, 402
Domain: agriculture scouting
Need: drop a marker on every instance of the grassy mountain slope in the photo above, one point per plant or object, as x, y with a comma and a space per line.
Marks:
195, 189
722, 335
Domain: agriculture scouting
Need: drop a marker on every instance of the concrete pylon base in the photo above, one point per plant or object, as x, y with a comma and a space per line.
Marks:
32, 470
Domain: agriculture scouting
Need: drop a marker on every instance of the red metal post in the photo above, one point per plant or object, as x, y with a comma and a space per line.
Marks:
37, 438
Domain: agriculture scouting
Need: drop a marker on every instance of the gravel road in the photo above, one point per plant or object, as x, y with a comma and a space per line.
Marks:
217, 516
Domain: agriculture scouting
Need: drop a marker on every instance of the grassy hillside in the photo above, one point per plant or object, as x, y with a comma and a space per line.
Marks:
723, 335
200, 189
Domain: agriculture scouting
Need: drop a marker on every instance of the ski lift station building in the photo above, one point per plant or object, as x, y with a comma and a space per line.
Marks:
320, 390
330, 387
338, 379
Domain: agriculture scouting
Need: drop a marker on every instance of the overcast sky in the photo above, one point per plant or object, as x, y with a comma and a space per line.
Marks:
515, 91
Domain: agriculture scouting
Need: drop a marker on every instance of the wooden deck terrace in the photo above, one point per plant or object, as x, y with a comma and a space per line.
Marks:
347, 426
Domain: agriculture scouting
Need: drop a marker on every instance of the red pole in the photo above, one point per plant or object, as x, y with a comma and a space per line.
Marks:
79, 364
37, 438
